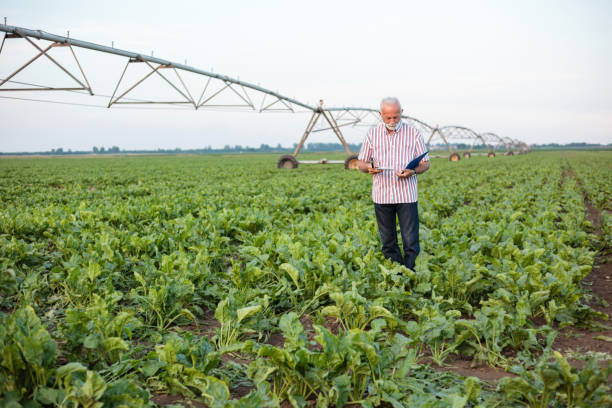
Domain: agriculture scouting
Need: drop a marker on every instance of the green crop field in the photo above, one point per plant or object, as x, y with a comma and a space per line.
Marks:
221, 281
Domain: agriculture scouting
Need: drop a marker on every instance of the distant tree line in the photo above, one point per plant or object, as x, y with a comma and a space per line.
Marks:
329, 147
571, 146
265, 148
102, 150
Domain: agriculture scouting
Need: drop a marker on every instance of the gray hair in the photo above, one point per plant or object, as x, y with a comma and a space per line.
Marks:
390, 100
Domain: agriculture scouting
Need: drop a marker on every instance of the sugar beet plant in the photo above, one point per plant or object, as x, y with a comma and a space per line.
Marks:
123, 279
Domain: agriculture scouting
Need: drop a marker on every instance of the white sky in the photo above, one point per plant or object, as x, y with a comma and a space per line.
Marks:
538, 71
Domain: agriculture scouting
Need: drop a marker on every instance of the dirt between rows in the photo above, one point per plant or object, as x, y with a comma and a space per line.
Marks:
599, 284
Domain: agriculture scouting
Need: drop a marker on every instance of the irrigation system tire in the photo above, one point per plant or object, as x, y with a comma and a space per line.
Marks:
491, 155
454, 157
467, 155
287, 161
351, 162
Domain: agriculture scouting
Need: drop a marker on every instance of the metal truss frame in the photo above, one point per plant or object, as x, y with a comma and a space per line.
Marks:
351, 117
456, 133
270, 106
334, 118
18, 34
238, 87
228, 85
333, 125
154, 70
497, 141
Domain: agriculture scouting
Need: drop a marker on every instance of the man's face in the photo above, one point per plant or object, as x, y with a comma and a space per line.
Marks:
391, 114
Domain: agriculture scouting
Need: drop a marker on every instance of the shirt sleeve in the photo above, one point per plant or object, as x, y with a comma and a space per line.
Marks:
419, 147
366, 152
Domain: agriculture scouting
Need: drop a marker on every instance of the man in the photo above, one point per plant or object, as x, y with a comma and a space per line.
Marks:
392, 145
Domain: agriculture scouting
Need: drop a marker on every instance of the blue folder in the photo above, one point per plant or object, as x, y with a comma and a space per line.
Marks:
416, 161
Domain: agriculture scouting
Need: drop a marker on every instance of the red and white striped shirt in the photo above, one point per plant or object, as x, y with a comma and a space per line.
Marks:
394, 151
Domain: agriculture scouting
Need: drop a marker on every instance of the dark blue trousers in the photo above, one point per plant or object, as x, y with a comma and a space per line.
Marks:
408, 216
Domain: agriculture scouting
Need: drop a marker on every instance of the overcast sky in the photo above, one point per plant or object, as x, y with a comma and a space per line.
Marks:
537, 71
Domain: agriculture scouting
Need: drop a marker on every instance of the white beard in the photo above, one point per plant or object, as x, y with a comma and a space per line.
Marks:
392, 127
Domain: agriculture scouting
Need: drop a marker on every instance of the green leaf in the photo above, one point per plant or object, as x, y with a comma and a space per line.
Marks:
297, 401
379, 311
260, 370
48, 396
150, 367
332, 311
472, 388
94, 385
246, 312
292, 272
340, 391
92, 341
256, 398
216, 393
292, 330
140, 279
221, 312
550, 378
455, 401
70, 368
114, 343
603, 338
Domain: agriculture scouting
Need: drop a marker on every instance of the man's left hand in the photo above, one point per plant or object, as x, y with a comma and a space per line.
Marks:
406, 173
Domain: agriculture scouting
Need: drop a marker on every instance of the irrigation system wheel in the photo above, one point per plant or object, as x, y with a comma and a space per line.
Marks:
454, 157
467, 155
351, 162
287, 161
491, 154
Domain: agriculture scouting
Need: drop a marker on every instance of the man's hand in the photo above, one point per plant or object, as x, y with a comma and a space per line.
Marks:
423, 166
366, 167
406, 173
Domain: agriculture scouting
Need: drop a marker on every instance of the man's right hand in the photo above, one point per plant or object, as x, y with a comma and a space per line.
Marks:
366, 167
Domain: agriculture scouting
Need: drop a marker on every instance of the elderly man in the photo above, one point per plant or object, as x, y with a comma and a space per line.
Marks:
386, 151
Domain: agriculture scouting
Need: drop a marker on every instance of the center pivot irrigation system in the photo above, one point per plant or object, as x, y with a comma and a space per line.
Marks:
331, 118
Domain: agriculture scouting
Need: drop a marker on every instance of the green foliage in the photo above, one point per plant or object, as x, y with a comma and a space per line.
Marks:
8, 285
559, 384
28, 353
97, 330
162, 295
355, 311
436, 329
118, 255
234, 313
348, 368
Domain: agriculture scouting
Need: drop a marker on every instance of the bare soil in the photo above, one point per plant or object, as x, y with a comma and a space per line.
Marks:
599, 284
466, 368
206, 326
